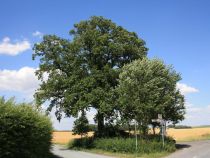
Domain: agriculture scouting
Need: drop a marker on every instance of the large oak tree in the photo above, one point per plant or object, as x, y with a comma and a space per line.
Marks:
83, 72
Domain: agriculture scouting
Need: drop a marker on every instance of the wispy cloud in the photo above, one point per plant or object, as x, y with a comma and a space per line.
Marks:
37, 34
185, 89
9, 48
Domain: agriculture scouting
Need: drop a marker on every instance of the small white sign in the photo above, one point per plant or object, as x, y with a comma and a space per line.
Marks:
160, 116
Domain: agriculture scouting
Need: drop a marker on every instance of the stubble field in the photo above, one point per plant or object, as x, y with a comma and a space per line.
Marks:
189, 134
63, 137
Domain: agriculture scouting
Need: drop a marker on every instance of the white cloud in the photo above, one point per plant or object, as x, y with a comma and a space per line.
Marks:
8, 48
22, 80
37, 34
185, 89
197, 115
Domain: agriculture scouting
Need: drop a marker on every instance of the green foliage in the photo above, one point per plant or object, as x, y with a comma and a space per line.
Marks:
81, 143
92, 127
124, 145
83, 73
24, 132
148, 88
111, 130
81, 125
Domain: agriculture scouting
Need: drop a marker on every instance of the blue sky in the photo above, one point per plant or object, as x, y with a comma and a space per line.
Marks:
176, 31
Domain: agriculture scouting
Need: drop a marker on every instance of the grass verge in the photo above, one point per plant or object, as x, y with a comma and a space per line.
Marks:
151, 147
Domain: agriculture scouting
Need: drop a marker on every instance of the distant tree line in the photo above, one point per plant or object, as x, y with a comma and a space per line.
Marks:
179, 126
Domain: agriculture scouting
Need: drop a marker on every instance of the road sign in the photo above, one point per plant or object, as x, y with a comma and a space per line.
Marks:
156, 120
162, 123
160, 116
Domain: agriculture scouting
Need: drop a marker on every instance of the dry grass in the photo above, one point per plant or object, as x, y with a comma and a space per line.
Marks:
63, 137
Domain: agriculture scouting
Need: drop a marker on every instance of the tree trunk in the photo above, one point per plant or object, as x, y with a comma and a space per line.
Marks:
144, 129
153, 128
100, 119
129, 130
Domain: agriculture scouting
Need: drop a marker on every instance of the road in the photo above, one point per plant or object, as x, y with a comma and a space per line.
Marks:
198, 149
62, 152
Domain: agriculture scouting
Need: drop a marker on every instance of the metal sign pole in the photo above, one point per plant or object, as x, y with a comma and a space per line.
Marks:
163, 134
136, 139
162, 123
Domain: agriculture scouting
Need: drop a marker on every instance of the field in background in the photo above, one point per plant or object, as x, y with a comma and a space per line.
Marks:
189, 134
63, 137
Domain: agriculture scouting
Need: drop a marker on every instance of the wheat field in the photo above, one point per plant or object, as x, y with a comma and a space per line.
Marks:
63, 137
189, 134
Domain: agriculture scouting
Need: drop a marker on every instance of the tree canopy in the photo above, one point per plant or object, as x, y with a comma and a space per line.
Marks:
148, 88
83, 72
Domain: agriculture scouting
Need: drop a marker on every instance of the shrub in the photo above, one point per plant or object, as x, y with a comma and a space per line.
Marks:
111, 131
92, 127
152, 144
24, 132
81, 143
81, 125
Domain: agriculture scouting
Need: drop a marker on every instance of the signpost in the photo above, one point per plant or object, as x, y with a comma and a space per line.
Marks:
160, 116
162, 123
136, 137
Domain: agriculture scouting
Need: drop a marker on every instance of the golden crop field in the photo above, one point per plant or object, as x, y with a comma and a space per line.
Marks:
63, 137
189, 134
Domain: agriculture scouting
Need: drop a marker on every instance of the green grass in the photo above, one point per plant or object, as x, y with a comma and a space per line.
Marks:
124, 147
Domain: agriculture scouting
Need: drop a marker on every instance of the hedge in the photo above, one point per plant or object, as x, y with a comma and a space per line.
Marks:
24, 132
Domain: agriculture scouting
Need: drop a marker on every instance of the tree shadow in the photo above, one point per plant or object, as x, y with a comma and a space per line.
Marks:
65, 149
182, 146
55, 156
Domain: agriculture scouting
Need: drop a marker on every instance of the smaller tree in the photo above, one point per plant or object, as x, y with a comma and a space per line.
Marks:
81, 125
148, 88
